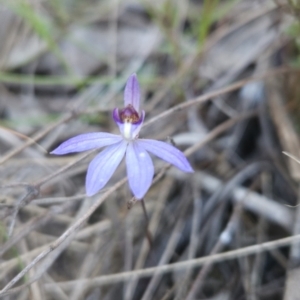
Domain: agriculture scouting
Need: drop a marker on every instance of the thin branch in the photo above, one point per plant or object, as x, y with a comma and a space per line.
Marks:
227, 89
66, 234
148, 233
179, 266
36, 138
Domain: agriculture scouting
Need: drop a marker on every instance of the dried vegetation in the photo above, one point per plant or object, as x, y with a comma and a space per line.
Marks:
220, 79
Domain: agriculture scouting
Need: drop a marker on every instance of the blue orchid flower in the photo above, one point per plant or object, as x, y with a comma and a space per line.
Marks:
140, 169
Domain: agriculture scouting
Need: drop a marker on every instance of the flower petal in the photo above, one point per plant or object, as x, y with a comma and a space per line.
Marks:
87, 141
140, 169
132, 92
103, 166
167, 152
116, 115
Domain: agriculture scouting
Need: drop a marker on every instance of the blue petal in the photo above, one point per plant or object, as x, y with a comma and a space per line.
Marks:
132, 92
87, 141
103, 166
167, 152
116, 115
140, 169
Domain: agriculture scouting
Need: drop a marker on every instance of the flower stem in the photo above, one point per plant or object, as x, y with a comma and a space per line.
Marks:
148, 233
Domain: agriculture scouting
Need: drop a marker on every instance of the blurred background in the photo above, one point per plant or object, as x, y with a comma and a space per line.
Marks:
228, 72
